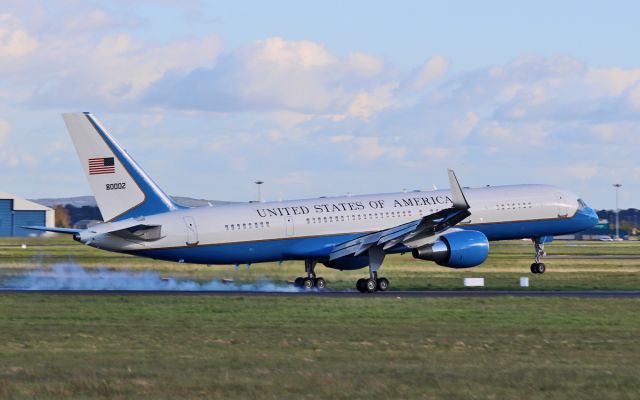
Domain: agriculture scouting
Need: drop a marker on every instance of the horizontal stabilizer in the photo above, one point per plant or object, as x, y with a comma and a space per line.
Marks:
67, 231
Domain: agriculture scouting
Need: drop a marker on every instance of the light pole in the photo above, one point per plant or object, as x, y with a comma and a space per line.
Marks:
617, 186
259, 183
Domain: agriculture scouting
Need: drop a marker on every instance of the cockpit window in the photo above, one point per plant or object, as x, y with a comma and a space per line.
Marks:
582, 203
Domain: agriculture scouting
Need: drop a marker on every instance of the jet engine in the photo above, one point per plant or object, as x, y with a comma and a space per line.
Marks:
461, 249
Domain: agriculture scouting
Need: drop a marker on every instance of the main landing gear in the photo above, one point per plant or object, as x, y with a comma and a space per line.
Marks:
538, 267
310, 281
373, 283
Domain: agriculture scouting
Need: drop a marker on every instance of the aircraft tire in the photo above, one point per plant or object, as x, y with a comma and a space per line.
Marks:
383, 284
371, 285
361, 285
298, 282
534, 268
308, 283
321, 283
541, 268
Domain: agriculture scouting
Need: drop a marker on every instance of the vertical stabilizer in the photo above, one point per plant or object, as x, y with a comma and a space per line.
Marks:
121, 188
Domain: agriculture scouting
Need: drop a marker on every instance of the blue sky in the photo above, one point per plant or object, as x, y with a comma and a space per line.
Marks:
325, 98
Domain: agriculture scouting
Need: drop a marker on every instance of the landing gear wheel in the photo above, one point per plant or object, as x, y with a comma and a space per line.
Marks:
321, 283
371, 285
298, 282
538, 268
383, 284
308, 283
361, 285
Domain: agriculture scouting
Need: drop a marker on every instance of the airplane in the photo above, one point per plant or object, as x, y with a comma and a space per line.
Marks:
452, 227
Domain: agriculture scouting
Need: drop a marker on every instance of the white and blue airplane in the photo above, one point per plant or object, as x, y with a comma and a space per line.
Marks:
450, 227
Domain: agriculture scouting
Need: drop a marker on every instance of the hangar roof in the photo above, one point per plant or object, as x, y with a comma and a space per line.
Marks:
22, 204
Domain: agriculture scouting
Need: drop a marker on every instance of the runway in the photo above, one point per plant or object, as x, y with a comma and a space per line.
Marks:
339, 294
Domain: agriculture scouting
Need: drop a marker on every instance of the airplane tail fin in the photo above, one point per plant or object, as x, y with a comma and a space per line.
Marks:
121, 187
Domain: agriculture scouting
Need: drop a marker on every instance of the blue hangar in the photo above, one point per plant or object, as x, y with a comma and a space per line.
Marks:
16, 213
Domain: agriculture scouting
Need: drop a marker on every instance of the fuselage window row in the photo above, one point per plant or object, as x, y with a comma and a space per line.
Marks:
250, 225
513, 206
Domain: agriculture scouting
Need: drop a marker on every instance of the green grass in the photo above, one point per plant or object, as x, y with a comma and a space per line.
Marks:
245, 347
169, 347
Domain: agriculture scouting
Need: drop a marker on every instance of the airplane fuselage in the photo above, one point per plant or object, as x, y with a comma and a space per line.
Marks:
310, 228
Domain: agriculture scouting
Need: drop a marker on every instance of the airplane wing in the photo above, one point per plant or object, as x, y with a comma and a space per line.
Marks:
413, 231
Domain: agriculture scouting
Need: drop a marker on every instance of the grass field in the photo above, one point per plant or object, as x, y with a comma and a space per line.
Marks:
245, 347
168, 347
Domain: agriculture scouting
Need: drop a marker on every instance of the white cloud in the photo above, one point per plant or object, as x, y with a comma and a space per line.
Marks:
341, 139
462, 127
5, 130
634, 98
496, 131
432, 69
290, 118
367, 103
612, 81
277, 75
437, 152
370, 149
364, 65
15, 42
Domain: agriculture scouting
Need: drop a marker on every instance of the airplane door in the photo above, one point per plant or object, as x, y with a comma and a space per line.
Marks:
288, 223
192, 231
562, 208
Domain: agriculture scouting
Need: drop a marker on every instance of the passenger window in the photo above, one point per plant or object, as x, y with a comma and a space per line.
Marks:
244, 226
261, 224
226, 227
267, 224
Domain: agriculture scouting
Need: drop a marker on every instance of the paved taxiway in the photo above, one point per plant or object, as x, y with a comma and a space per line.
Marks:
349, 293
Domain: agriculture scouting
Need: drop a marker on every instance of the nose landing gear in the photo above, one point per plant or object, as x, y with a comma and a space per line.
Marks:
538, 267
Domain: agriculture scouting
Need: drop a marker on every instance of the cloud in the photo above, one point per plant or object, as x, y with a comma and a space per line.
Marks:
432, 69
369, 149
275, 74
15, 42
367, 103
5, 130
462, 127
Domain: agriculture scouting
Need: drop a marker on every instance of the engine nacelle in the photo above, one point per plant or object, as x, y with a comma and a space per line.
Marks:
461, 249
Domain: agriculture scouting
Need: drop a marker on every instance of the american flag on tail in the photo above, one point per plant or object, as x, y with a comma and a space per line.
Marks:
99, 166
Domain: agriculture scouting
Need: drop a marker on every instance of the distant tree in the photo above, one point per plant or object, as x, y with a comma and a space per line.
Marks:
62, 219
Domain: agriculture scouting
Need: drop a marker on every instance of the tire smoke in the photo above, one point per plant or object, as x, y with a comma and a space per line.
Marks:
75, 277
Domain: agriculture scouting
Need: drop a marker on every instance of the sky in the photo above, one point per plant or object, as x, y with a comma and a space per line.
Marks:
323, 98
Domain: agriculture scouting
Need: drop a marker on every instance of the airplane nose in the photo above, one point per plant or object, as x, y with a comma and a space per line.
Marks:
591, 217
